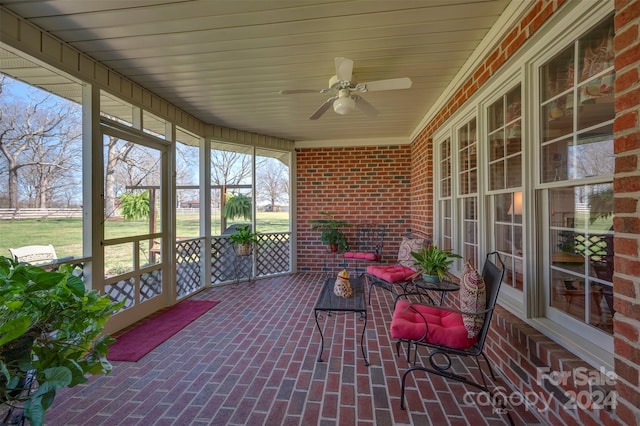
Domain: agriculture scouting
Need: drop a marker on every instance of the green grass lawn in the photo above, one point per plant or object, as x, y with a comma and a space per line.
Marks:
66, 234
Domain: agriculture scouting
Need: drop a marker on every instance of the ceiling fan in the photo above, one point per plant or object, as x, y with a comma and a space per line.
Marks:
344, 100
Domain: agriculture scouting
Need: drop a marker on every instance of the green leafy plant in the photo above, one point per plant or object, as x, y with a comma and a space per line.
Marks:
433, 261
51, 325
243, 235
331, 234
237, 206
135, 206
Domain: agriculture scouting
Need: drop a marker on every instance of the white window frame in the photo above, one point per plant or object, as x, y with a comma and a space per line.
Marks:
509, 297
591, 344
568, 24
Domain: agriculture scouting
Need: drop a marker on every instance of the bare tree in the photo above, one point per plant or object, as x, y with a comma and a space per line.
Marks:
117, 151
128, 165
40, 142
187, 172
272, 184
594, 158
230, 168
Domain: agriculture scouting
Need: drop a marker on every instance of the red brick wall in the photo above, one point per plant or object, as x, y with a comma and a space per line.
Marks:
422, 185
360, 185
517, 349
626, 282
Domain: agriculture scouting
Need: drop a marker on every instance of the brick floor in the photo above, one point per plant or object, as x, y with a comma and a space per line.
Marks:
252, 360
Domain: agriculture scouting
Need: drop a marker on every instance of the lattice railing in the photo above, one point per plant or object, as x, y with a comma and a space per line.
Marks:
150, 287
272, 256
188, 267
222, 260
122, 290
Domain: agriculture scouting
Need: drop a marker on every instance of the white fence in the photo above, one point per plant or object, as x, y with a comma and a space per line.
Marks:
40, 213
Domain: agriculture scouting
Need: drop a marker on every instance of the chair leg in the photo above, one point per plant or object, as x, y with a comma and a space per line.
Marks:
402, 387
493, 376
482, 376
415, 352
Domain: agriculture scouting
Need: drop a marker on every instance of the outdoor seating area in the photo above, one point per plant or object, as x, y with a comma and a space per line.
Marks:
34, 254
396, 276
391, 213
366, 248
448, 332
258, 365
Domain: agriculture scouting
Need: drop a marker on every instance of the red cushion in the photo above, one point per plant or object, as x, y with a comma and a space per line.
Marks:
390, 273
445, 328
361, 255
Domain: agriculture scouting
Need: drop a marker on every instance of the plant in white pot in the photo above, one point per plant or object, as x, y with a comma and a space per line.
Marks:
434, 262
50, 335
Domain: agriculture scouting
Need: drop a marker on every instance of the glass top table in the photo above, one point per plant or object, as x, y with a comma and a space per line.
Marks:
329, 302
443, 287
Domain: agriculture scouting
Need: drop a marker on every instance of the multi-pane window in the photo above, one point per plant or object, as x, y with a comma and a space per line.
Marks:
504, 124
444, 203
576, 173
468, 189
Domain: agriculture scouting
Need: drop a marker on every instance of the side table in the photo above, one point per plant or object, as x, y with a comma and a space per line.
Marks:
443, 287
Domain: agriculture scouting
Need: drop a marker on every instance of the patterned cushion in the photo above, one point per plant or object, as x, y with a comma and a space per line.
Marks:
473, 297
445, 327
406, 247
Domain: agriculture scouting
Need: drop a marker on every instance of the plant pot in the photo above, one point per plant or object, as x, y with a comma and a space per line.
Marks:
333, 248
243, 249
431, 278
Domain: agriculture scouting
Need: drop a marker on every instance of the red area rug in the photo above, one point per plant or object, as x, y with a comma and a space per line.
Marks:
142, 339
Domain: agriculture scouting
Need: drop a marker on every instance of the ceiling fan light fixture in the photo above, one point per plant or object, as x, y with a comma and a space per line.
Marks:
344, 105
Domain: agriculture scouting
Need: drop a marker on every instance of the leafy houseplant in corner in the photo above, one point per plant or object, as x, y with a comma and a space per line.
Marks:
243, 238
331, 235
434, 262
50, 329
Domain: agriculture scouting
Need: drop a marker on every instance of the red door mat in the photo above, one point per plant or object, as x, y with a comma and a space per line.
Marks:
143, 338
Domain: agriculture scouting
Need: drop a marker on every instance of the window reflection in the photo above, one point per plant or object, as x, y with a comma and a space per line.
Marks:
581, 256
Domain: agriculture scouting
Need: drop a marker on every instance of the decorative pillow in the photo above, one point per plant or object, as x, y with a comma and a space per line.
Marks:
406, 247
473, 298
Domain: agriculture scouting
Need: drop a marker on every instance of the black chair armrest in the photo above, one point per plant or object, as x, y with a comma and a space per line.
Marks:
449, 309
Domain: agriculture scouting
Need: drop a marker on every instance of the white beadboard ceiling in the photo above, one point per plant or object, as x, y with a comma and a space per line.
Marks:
225, 61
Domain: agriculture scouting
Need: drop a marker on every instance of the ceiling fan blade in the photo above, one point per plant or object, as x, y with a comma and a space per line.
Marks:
296, 91
365, 106
323, 108
390, 84
344, 68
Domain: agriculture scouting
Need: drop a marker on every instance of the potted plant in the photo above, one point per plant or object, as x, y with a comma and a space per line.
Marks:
331, 235
237, 206
50, 332
434, 262
243, 238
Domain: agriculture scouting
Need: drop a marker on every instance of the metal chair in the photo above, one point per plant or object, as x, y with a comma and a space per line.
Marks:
367, 248
399, 274
442, 331
35, 254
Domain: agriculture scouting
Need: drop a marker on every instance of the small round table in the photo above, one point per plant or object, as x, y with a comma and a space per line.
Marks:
444, 286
